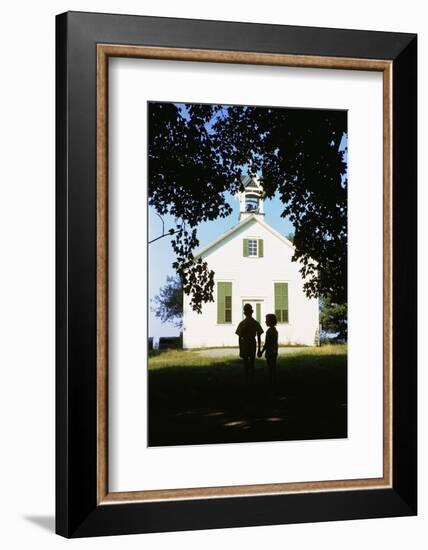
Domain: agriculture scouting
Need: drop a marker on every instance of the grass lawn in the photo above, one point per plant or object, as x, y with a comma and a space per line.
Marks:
199, 400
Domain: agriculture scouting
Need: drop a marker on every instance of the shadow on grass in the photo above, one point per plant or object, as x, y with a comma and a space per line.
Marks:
191, 404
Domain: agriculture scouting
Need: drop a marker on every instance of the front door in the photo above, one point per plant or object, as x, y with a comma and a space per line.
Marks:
257, 308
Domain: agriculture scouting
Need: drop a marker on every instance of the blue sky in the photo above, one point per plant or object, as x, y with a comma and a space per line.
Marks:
161, 255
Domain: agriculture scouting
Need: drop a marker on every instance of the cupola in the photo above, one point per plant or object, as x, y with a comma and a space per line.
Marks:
251, 198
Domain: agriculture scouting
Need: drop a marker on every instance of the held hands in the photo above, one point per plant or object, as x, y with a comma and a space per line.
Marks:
259, 354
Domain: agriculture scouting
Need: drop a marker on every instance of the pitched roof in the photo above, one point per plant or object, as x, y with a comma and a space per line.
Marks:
240, 225
250, 181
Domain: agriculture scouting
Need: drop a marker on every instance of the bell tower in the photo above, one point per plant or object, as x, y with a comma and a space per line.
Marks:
251, 198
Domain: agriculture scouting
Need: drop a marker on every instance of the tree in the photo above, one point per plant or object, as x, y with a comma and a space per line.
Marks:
197, 153
169, 302
334, 317
187, 182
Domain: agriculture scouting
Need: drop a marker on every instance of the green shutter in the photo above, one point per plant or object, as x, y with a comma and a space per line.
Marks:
277, 301
277, 295
228, 300
285, 303
220, 302
281, 302
260, 248
245, 243
224, 290
258, 312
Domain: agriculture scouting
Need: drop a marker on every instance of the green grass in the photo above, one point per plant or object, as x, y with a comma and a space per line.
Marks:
191, 358
195, 399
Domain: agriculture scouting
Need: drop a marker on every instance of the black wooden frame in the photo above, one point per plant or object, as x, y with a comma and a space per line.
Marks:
77, 512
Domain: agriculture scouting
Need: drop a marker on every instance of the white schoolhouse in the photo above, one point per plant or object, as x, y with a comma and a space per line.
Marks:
252, 264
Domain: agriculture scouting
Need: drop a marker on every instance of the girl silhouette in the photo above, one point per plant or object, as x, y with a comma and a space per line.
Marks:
271, 346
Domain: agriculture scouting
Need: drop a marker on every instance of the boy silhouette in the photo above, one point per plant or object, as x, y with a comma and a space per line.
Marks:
271, 346
247, 331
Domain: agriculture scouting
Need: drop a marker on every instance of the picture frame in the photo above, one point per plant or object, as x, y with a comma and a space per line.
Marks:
84, 44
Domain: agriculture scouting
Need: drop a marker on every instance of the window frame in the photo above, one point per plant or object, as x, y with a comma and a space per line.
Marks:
256, 241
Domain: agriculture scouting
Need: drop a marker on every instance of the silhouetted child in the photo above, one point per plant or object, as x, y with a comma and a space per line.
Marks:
271, 346
247, 331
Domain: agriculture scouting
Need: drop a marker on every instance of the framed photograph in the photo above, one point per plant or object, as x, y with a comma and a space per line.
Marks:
236, 274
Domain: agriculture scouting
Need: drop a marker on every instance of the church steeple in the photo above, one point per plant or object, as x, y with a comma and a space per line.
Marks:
251, 199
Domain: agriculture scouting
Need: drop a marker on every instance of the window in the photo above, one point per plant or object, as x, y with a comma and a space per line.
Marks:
228, 309
281, 302
224, 302
253, 248
251, 203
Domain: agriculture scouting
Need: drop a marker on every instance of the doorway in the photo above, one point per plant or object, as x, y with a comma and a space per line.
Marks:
257, 306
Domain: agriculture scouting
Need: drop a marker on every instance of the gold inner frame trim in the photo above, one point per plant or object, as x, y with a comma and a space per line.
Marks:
104, 51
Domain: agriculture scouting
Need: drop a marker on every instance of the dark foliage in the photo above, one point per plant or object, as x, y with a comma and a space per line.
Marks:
334, 317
